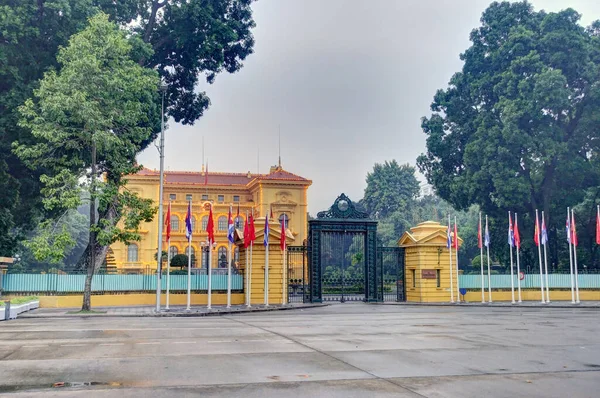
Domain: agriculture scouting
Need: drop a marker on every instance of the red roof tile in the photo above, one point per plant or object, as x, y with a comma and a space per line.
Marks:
281, 174
195, 177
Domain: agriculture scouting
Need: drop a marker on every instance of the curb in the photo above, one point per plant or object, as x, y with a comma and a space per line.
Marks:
191, 314
497, 305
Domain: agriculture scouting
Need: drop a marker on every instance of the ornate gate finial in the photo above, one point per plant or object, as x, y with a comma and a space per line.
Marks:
343, 207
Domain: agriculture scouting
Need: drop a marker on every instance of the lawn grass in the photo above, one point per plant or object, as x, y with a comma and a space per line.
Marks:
81, 312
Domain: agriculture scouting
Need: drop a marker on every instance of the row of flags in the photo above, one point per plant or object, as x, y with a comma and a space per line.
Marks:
514, 241
514, 237
249, 229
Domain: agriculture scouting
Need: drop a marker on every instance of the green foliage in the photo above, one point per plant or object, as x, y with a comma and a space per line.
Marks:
390, 188
180, 39
516, 129
23, 300
99, 97
179, 260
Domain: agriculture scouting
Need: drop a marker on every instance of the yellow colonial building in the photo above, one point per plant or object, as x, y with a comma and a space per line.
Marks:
283, 192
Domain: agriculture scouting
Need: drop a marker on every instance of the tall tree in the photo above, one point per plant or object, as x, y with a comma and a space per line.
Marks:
517, 127
190, 38
89, 121
390, 188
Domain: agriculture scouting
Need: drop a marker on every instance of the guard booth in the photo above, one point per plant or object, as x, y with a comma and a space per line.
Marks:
427, 263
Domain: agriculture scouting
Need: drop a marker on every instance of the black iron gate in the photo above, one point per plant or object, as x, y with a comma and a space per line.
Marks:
342, 246
297, 274
390, 265
343, 266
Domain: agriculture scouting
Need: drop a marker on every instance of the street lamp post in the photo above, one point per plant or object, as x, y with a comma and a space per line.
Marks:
161, 151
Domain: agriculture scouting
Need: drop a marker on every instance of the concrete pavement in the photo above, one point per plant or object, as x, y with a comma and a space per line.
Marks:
344, 350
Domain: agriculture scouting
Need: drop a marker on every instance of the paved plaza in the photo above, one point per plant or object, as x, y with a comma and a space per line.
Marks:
342, 350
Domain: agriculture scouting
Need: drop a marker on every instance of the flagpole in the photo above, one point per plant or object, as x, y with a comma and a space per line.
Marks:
539, 245
251, 254
189, 278
546, 257
284, 288
518, 264
247, 262
229, 264
488, 260
168, 271
451, 268
267, 263
456, 258
574, 232
510, 244
570, 255
480, 238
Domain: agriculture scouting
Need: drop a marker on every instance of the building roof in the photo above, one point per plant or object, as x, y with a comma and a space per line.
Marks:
215, 178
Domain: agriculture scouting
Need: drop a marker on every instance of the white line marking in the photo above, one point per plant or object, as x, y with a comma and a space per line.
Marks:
73, 345
184, 342
219, 341
34, 346
107, 344
150, 343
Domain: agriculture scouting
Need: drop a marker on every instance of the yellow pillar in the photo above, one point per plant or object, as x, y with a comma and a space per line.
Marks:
427, 263
277, 284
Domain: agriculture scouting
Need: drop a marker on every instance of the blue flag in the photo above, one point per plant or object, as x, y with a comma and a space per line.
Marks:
266, 241
449, 237
230, 227
188, 222
544, 233
486, 237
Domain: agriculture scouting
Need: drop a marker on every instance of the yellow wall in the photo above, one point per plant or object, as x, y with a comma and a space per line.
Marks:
533, 295
116, 300
277, 285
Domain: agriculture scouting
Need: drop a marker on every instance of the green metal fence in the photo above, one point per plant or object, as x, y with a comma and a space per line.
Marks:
107, 283
556, 281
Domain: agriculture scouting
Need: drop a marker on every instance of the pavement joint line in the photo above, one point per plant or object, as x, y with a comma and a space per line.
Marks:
325, 354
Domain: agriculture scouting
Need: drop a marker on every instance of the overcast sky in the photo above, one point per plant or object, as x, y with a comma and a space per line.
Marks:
348, 82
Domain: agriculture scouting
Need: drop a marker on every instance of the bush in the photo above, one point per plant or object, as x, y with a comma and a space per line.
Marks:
23, 300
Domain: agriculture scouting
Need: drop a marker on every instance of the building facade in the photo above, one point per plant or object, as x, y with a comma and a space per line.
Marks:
283, 192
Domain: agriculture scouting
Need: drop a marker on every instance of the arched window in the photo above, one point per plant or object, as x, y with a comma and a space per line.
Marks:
193, 223
222, 225
285, 219
236, 258
222, 257
174, 251
204, 222
174, 223
189, 251
239, 222
204, 257
132, 253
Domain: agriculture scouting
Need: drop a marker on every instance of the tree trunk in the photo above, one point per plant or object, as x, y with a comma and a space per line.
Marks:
87, 290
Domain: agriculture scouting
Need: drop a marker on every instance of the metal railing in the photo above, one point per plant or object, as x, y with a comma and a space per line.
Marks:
103, 283
556, 281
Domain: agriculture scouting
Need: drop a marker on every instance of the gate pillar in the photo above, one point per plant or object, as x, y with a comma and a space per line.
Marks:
427, 263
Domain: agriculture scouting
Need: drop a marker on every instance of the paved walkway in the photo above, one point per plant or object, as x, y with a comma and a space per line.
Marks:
150, 311
343, 350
